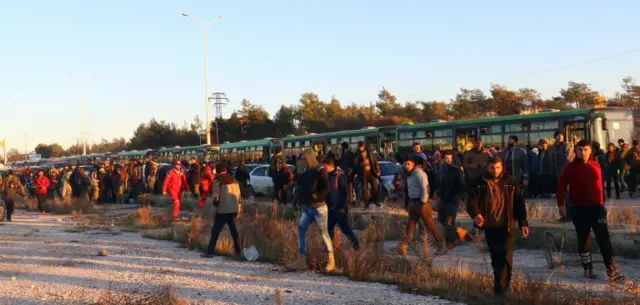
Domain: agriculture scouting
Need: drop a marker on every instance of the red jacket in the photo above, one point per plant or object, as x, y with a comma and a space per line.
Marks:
585, 184
207, 179
41, 184
175, 182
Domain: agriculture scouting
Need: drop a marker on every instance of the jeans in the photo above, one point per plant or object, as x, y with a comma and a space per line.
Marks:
342, 220
321, 216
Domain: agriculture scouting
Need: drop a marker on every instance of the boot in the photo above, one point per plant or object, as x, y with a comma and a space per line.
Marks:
331, 264
442, 248
300, 264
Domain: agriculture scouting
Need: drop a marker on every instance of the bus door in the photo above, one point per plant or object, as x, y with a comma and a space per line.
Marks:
371, 142
464, 138
320, 147
575, 131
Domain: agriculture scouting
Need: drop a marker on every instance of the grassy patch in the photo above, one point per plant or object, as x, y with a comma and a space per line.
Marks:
276, 241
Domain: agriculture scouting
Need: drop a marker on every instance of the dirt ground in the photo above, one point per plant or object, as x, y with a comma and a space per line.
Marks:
49, 260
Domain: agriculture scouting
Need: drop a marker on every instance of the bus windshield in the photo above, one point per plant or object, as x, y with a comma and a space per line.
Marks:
619, 126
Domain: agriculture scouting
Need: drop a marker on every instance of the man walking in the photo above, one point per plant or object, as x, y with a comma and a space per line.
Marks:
313, 190
419, 206
337, 200
450, 197
583, 176
174, 184
11, 187
497, 206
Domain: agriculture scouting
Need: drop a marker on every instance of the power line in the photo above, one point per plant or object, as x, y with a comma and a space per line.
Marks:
549, 70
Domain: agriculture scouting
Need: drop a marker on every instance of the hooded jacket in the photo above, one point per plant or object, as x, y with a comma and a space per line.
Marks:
12, 187
41, 184
175, 182
226, 192
314, 183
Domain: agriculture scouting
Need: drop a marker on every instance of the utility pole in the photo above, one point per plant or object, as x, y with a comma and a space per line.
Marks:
219, 101
26, 153
4, 150
84, 110
205, 28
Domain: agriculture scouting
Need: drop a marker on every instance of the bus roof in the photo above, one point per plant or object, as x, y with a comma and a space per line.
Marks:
507, 118
335, 134
241, 144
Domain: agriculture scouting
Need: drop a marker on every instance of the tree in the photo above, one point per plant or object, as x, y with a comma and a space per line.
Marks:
434, 110
505, 101
49, 150
580, 95
387, 103
14, 155
631, 96
285, 119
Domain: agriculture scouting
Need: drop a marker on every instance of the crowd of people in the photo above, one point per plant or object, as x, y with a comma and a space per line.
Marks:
493, 183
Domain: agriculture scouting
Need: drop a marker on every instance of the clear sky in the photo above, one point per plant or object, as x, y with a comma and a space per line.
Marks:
148, 59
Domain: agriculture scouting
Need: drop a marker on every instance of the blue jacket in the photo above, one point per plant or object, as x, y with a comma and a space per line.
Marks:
338, 190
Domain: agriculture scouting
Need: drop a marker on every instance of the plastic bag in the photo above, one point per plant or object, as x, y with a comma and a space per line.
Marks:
251, 253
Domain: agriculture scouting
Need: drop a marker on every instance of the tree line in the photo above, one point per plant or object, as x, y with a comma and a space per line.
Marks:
312, 114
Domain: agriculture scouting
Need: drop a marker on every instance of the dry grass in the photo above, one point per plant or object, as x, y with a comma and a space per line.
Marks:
59, 206
193, 233
276, 241
164, 295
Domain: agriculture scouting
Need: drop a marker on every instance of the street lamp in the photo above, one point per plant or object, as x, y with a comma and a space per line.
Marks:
84, 110
205, 28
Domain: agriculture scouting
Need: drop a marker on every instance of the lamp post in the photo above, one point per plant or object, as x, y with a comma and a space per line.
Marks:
84, 110
205, 28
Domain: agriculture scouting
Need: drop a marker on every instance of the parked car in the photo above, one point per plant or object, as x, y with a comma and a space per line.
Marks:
260, 181
388, 171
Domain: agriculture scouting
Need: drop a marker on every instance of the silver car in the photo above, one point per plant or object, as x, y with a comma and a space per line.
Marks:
260, 180
388, 171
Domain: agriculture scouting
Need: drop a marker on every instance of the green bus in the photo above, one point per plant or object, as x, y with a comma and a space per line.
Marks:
125, 156
375, 138
200, 152
604, 125
249, 150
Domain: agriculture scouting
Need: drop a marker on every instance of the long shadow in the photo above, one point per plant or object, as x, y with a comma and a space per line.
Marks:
206, 289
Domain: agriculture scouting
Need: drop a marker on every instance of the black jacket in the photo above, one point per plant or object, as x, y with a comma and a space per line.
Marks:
314, 186
450, 183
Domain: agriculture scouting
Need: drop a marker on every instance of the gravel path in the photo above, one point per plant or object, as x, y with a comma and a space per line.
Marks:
41, 263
